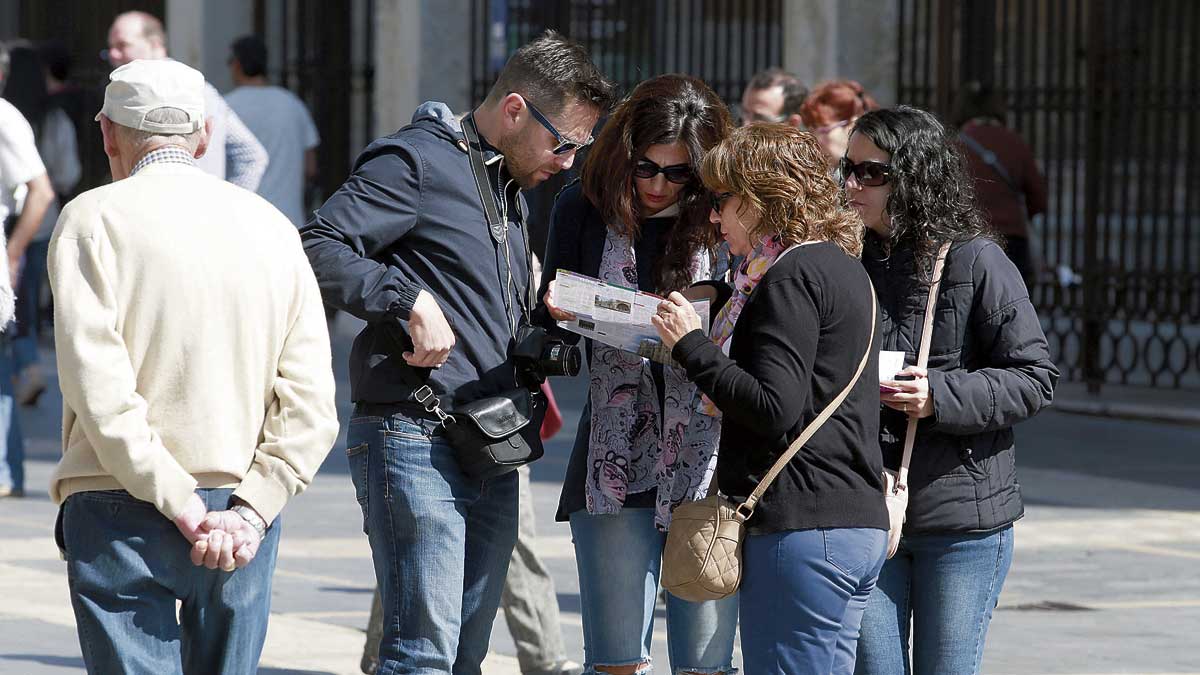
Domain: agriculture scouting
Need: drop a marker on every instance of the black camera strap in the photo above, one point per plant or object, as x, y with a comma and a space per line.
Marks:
497, 223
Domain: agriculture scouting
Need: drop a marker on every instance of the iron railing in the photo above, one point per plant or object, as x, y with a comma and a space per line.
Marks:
723, 42
1105, 92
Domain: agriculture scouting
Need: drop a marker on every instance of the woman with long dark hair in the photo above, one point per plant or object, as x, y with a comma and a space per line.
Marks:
988, 368
639, 218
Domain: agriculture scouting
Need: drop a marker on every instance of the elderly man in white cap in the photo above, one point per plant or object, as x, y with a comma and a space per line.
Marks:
197, 390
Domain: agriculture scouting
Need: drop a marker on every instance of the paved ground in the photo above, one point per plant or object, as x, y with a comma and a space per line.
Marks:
1104, 579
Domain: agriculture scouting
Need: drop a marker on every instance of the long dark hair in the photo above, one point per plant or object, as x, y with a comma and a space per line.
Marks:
662, 110
933, 196
25, 86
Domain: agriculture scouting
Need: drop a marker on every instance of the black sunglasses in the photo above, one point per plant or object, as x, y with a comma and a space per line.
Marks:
717, 199
565, 145
678, 174
869, 173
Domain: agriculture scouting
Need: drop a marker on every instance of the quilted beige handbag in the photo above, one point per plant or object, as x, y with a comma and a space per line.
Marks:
895, 488
703, 555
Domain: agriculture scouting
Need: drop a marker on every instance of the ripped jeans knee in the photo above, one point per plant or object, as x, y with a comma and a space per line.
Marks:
642, 668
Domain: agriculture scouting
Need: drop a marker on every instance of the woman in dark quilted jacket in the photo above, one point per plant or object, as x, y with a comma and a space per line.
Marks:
989, 368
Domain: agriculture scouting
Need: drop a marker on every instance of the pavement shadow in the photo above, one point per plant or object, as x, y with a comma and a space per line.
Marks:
1107, 463
55, 661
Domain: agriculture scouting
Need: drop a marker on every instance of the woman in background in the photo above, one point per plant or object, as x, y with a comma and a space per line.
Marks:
829, 113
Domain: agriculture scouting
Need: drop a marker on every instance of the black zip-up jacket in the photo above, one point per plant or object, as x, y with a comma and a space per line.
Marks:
408, 219
989, 368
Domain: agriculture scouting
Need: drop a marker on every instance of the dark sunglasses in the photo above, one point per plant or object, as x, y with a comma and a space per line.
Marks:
565, 145
678, 174
717, 199
868, 173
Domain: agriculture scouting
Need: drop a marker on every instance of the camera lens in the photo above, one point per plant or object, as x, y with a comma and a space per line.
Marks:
562, 360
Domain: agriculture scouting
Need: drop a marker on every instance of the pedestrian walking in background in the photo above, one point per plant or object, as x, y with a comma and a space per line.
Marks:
234, 154
281, 122
830, 111
790, 341
197, 390
775, 96
409, 244
1009, 187
989, 368
639, 218
55, 136
21, 171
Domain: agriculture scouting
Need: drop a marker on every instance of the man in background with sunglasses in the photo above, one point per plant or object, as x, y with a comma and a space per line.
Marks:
405, 244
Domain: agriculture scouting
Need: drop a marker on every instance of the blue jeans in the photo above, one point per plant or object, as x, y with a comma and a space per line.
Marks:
803, 595
12, 469
947, 585
126, 567
619, 557
29, 295
440, 541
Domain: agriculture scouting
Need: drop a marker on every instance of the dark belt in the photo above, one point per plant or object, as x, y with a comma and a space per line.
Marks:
410, 409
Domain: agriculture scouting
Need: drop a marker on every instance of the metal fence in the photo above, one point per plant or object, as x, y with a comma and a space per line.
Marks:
1105, 91
323, 51
723, 42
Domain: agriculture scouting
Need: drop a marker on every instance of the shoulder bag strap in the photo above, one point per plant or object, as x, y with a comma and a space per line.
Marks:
991, 160
747, 508
910, 435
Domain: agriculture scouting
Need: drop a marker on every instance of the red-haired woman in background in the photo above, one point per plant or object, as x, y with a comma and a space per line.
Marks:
829, 113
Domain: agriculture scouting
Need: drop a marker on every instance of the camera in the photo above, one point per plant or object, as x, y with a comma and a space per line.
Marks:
538, 356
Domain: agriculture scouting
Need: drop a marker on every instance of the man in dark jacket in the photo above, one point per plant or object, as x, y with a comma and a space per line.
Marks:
405, 245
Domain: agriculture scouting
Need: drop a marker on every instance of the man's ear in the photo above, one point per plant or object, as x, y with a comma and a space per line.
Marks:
793, 120
205, 135
512, 107
109, 134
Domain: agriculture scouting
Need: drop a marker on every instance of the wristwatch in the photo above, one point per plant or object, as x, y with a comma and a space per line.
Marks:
251, 516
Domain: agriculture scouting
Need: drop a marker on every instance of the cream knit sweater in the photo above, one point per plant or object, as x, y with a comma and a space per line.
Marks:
191, 340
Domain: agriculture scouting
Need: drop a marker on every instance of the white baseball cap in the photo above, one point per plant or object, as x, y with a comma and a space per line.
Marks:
141, 86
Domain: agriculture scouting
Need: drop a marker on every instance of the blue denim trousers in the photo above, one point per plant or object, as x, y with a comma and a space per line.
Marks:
803, 595
127, 565
440, 541
12, 468
29, 294
945, 587
619, 557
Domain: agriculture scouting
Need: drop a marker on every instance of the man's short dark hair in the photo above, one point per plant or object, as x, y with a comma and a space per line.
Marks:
552, 71
794, 91
251, 54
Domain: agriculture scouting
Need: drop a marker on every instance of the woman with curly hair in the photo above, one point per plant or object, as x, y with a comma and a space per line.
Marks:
789, 339
639, 219
989, 368
830, 111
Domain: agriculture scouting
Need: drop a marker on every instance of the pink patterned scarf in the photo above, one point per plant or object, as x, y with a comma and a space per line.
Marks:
744, 282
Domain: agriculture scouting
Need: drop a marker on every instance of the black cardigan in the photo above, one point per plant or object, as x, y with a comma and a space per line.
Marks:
797, 343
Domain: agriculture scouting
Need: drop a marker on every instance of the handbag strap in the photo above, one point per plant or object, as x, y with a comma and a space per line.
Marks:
815, 425
910, 434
